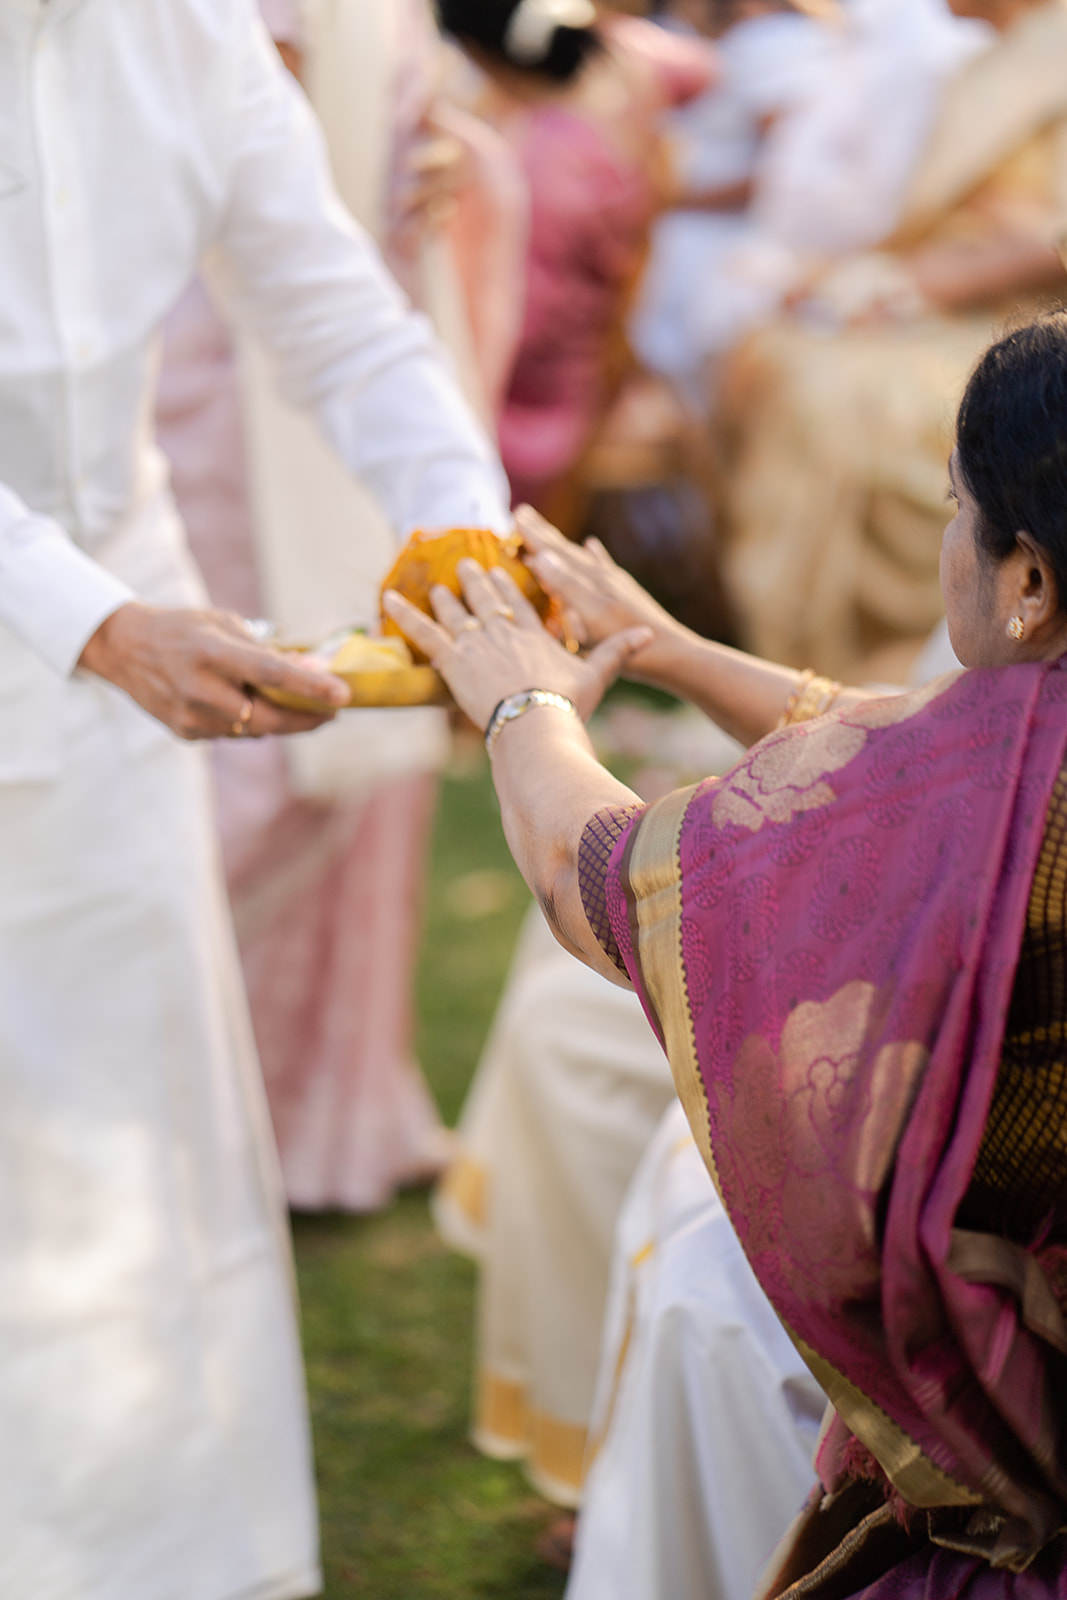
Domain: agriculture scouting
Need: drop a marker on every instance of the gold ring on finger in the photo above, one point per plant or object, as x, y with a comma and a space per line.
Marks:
505, 613
239, 726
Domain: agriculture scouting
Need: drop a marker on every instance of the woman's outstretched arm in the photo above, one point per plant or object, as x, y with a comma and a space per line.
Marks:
743, 694
547, 777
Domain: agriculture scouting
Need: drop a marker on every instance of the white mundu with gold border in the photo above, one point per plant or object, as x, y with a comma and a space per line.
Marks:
569, 1089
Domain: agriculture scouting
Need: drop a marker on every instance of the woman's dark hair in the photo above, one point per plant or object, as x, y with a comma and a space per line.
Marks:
485, 23
1011, 443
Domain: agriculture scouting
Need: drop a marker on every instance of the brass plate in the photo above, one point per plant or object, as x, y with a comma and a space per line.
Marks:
403, 686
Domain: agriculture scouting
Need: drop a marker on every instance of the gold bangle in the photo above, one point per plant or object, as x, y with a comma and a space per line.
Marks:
811, 697
794, 699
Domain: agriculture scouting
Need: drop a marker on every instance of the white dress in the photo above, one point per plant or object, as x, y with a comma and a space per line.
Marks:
153, 1437
153, 1433
705, 1417
834, 169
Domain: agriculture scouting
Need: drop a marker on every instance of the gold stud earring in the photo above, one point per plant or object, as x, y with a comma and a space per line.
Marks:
1017, 629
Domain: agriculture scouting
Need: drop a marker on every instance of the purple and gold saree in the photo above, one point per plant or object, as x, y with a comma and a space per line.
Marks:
852, 949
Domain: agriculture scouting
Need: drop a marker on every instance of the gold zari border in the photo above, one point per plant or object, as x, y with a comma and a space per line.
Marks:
656, 889
465, 1186
502, 1426
508, 1428
556, 1461
912, 1473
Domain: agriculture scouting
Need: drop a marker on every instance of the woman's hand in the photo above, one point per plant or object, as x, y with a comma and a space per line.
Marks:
598, 597
495, 645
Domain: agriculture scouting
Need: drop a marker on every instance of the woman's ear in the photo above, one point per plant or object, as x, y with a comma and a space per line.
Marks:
1034, 583
1028, 604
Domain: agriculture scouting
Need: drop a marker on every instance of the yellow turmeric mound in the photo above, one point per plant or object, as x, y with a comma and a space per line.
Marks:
431, 558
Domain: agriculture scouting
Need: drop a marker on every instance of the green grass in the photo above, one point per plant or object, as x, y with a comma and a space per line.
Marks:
409, 1510
476, 902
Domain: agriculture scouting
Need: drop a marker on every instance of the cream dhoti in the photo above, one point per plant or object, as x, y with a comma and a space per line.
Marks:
153, 1438
567, 1095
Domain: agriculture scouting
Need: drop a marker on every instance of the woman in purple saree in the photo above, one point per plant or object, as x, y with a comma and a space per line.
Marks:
854, 949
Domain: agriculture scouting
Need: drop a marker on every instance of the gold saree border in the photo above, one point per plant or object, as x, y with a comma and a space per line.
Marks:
465, 1185
918, 1479
507, 1428
503, 1427
556, 1463
654, 891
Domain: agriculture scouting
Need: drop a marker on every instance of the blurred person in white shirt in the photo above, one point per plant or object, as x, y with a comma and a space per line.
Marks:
771, 54
153, 1431
834, 170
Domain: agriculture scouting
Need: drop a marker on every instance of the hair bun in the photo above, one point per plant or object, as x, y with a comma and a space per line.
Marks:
533, 24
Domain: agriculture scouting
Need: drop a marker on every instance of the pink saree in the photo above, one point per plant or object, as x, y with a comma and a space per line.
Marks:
826, 941
593, 164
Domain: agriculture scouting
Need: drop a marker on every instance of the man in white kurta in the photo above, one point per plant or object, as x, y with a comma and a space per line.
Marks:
153, 1436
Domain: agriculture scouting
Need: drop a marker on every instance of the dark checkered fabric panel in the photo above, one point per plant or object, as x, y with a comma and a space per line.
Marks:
1019, 1185
602, 834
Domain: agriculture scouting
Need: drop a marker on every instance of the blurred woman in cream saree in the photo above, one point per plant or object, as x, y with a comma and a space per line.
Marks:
837, 421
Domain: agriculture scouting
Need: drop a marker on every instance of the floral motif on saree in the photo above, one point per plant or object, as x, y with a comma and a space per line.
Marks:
826, 940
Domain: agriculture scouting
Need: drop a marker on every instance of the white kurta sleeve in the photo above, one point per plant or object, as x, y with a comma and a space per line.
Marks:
52, 595
310, 284
284, 21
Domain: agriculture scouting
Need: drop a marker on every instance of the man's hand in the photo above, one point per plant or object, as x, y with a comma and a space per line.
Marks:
197, 672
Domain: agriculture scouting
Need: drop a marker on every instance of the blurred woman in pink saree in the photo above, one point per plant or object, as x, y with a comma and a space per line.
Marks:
579, 96
853, 948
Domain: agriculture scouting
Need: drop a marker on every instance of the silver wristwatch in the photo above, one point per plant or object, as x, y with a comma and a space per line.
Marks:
517, 705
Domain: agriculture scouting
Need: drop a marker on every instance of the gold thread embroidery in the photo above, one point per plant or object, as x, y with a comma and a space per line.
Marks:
885, 711
786, 774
